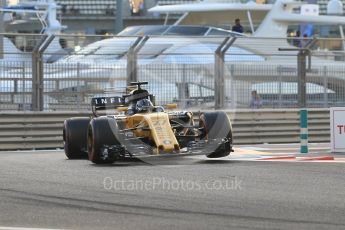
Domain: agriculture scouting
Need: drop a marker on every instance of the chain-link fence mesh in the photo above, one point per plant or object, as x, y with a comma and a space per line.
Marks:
178, 69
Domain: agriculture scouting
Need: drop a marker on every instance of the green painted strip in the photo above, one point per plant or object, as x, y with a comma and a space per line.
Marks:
304, 136
304, 131
304, 118
304, 149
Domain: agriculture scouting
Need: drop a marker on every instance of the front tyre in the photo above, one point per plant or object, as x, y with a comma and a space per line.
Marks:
216, 129
101, 135
75, 137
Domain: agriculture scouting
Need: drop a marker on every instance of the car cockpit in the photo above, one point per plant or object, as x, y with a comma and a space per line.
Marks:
140, 101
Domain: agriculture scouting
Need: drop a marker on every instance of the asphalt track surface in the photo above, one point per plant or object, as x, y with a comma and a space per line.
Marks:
41, 189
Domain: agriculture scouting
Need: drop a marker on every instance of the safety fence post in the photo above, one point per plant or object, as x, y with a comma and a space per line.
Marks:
118, 16
219, 76
2, 29
37, 72
302, 68
132, 59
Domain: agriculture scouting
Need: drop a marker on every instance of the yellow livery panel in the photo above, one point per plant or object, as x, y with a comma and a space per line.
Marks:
159, 129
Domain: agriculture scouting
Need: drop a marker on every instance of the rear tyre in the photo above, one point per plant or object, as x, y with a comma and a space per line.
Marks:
75, 137
217, 131
101, 133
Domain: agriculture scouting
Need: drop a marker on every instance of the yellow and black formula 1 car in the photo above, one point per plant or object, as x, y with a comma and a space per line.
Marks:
140, 128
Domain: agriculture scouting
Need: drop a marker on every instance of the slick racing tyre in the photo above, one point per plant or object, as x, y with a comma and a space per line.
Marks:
217, 131
75, 137
101, 134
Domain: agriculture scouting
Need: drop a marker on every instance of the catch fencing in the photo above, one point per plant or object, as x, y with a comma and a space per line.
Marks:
64, 72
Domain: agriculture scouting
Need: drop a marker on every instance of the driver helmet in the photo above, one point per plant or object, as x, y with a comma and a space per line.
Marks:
143, 105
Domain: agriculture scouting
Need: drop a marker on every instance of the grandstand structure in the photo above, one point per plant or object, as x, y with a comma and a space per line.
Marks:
98, 16
106, 7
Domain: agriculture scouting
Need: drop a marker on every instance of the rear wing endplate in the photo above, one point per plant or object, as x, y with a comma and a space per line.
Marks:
106, 103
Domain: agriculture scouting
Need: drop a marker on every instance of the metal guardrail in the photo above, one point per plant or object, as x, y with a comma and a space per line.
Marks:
42, 130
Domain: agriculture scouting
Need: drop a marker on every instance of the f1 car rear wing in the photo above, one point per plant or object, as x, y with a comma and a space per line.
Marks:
140, 95
105, 103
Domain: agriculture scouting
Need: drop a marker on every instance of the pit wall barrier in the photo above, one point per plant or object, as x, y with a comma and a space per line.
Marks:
42, 130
